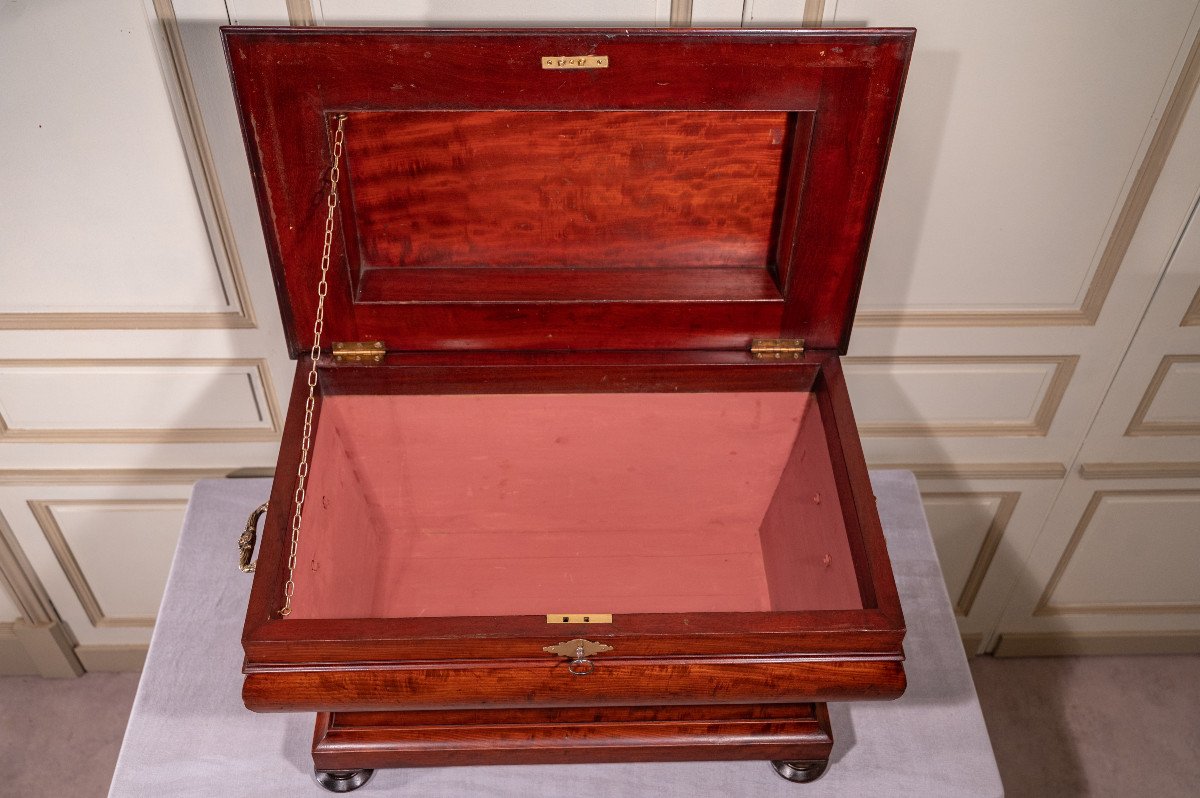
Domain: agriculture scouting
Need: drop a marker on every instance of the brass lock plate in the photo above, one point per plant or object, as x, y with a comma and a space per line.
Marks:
577, 648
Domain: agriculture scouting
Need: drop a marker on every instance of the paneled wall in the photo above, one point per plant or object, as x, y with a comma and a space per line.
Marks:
1028, 339
1045, 167
140, 345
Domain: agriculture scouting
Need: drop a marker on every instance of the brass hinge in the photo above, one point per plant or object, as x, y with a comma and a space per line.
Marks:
358, 351
777, 348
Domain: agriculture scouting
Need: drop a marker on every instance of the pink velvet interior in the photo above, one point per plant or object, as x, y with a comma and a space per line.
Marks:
582, 503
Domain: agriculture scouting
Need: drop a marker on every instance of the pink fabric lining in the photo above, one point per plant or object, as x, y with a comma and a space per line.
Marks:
559, 503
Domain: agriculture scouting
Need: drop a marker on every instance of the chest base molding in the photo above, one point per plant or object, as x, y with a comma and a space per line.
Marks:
346, 741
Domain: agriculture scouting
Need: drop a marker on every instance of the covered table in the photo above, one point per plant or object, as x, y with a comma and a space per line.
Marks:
190, 735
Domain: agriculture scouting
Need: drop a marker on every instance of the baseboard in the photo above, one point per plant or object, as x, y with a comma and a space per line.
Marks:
1073, 644
971, 643
13, 659
37, 650
128, 658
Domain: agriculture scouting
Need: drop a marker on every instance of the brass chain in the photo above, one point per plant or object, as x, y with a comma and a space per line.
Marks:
331, 202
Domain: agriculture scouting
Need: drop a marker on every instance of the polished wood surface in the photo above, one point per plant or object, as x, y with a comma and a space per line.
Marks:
346, 740
540, 251
817, 179
560, 189
826, 654
616, 681
805, 549
665, 372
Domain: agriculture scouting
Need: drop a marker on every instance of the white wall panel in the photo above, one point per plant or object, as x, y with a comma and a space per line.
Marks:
984, 521
9, 611
1118, 556
242, 12
78, 399
1022, 126
960, 525
100, 213
116, 554
777, 13
716, 13
1132, 551
899, 396
101, 548
1152, 411
759, 13
1173, 400
493, 12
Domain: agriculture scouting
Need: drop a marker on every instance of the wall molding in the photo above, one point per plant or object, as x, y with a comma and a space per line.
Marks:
14, 661
50, 647
1074, 644
1032, 470
1138, 425
1145, 470
812, 16
116, 476
814, 13
681, 13
300, 13
1192, 317
269, 405
194, 140
971, 643
1064, 369
43, 513
226, 320
1044, 608
37, 643
20, 580
987, 547
98, 658
1115, 247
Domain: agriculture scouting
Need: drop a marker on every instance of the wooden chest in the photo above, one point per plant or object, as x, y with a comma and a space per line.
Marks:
569, 472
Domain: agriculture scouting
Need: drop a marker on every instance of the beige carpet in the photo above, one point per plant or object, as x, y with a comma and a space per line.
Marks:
59, 738
1071, 726
1061, 727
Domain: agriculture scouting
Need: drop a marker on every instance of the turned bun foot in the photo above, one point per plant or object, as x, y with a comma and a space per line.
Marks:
342, 780
800, 771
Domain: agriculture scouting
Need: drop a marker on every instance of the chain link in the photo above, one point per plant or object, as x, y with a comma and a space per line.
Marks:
331, 202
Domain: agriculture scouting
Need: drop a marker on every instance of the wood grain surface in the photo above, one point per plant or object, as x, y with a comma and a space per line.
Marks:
633, 189
756, 155
509, 231
607, 734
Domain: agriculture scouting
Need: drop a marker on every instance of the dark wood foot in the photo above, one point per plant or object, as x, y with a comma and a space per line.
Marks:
800, 771
342, 780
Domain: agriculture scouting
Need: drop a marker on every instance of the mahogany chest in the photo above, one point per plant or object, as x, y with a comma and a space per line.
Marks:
569, 471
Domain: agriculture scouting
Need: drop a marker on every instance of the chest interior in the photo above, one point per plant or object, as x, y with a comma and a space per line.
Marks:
530, 504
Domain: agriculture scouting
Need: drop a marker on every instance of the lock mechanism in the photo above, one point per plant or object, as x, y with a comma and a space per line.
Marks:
578, 650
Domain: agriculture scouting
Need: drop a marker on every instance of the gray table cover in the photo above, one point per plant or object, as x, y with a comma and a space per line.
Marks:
189, 734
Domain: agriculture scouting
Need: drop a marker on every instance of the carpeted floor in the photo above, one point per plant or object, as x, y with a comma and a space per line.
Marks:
1061, 727
60, 737
1072, 726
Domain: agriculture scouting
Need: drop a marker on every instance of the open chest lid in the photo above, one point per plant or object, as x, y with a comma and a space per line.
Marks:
570, 189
